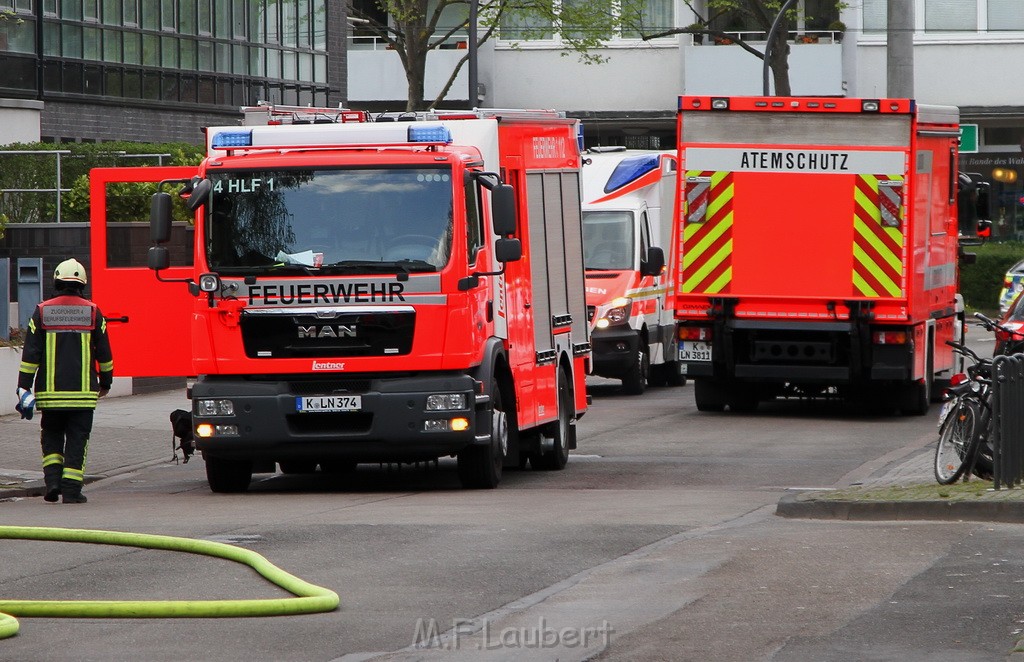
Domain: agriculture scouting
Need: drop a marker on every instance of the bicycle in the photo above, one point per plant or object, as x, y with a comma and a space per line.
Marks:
965, 420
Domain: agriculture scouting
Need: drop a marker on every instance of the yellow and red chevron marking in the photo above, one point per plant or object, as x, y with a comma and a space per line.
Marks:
707, 232
878, 226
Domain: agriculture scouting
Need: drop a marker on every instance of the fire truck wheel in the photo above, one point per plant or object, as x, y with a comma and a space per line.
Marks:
227, 476
635, 381
556, 458
298, 467
708, 395
479, 467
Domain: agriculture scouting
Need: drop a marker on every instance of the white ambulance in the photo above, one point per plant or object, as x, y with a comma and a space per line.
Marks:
627, 230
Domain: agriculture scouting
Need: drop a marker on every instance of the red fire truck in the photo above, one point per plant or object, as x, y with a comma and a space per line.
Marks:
818, 251
365, 289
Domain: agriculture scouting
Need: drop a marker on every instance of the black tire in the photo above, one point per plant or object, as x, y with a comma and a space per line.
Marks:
298, 466
563, 430
480, 467
228, 476
708, 395
666, 374
635, 381
958, 442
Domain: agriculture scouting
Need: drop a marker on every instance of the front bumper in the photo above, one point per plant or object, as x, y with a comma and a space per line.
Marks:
614, 351
388, 427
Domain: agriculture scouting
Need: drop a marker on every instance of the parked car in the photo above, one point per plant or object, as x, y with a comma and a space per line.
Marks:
1013, 284
1012, 319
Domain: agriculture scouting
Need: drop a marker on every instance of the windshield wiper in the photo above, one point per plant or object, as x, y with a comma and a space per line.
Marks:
403, 266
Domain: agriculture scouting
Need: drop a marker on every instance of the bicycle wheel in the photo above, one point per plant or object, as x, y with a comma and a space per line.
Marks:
958, 442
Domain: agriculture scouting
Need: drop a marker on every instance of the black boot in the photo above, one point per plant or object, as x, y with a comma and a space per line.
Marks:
71, 491
52, 474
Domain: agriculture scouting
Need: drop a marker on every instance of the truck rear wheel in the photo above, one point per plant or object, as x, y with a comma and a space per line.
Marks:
708, 395
479, 467
556, 458
228, 476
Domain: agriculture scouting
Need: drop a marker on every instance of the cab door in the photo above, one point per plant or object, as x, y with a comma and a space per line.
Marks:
148, 320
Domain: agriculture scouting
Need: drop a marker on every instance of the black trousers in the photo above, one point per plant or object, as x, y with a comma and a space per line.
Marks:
66, 432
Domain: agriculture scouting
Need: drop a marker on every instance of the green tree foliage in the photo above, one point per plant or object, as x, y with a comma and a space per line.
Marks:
28, 181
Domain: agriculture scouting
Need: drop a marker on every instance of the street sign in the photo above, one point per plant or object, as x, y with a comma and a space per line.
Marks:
968, 138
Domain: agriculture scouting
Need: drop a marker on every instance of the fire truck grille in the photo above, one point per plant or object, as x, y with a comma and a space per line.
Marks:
324, 387
387, 333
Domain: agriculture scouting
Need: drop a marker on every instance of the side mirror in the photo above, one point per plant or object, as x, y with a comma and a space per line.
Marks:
503, 210
200, 194
654, 263
160, 218
158, 258
508, 250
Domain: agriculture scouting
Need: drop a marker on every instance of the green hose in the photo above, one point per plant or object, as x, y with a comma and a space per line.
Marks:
311, 599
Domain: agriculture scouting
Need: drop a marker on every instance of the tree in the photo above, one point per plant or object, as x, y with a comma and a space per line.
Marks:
756, 15
413, 28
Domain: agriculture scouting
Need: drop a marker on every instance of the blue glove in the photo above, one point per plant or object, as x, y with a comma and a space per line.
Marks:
26, 403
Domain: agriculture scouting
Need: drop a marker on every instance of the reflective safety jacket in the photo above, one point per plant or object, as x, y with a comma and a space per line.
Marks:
68, 351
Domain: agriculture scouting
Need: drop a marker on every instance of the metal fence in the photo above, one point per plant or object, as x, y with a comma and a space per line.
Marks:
1008, 420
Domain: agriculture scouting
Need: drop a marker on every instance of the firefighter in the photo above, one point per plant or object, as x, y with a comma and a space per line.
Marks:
67, 350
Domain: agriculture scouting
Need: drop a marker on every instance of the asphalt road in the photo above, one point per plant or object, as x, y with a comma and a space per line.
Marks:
658, 542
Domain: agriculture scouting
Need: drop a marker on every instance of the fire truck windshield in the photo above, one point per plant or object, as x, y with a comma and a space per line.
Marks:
608, 240
329, 220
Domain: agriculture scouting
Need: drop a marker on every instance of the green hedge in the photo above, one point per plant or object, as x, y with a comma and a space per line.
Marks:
981, 282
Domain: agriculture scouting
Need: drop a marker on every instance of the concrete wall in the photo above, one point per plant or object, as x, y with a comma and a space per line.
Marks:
633, 79
377, 75
814, 69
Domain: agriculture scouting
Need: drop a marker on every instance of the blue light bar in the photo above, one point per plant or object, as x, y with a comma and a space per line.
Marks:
630, 169
228, 139
430, 133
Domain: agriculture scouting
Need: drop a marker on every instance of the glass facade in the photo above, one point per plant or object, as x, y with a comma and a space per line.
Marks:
207, 52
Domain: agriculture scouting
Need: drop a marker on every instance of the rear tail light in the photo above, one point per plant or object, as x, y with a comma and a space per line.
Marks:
694, 333
889, 337
957, 379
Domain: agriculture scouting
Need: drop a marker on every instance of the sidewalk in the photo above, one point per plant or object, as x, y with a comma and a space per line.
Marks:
129, 432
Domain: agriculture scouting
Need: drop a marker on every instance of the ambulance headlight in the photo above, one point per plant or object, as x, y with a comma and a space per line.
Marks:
617, 314
446, 401
215, 408
209, 282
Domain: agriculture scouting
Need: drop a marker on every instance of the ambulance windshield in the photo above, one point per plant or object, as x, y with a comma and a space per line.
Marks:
330, 221
608, 240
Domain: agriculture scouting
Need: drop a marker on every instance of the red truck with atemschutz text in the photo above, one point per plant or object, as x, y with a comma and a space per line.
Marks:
364, 289
818, 250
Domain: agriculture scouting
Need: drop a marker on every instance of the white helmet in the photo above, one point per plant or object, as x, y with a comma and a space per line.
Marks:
70, 271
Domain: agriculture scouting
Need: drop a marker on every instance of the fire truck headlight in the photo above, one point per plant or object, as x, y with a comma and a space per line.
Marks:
446, 401
209, 282
215, 408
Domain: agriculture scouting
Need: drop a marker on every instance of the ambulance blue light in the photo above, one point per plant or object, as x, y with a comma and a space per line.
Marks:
436, 133
227, 139
630, 169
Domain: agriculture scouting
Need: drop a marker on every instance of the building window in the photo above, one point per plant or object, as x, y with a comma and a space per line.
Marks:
653, 16
957, 16
950, 16
1005, 15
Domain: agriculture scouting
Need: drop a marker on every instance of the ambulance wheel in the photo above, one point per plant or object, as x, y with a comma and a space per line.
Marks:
635, 381
228, 476
479, 467
297, 467
708, 395
563, 431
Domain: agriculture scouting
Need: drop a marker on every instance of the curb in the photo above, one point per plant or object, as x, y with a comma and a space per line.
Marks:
36, 488
808, 507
